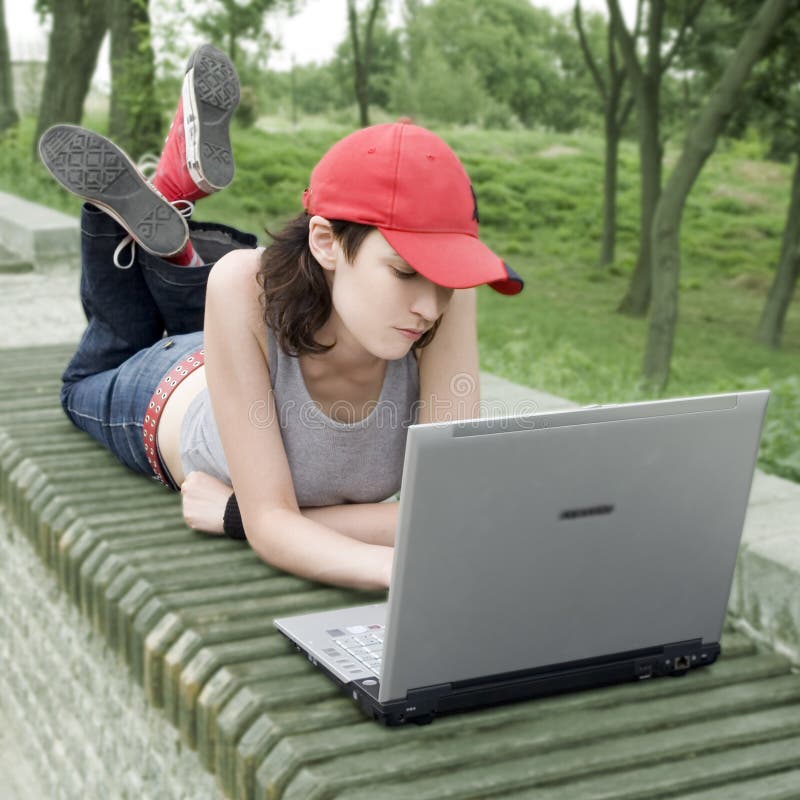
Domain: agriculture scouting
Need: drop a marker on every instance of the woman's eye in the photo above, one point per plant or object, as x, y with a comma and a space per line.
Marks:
403, 275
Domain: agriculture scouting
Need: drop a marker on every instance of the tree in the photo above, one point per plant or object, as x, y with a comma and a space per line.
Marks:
385, 55
770, 326
770, 103
361, 41
615, 114
78, 28
8, 113
513, 48
228, 22
436, 91
134, 116
774, 104
699, 145
645, 78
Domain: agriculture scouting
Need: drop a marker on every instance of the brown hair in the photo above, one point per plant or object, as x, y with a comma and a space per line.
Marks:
296, 299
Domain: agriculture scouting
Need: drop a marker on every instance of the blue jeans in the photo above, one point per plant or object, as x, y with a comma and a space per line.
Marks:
141, 321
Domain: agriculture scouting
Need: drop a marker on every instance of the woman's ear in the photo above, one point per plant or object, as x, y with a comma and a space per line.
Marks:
323, 244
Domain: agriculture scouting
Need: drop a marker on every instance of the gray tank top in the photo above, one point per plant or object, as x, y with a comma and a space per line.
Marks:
331, 462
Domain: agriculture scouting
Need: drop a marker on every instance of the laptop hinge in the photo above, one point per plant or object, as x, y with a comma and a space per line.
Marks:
422, 704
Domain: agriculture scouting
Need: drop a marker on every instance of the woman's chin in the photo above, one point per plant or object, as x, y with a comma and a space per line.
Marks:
393, 351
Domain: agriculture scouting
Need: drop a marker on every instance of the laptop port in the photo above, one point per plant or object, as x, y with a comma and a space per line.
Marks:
681, 662
644, 671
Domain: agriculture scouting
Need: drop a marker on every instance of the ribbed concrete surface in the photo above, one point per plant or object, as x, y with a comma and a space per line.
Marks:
190, 616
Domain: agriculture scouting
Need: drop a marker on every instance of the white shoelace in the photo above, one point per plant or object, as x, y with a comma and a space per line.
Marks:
148, 164
183, 207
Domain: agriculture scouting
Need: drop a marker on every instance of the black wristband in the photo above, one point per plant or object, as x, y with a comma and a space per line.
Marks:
232, 520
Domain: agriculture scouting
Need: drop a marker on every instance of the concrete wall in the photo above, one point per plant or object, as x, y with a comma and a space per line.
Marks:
81, 724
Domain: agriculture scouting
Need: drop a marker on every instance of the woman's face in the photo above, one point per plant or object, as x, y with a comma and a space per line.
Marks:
383, 302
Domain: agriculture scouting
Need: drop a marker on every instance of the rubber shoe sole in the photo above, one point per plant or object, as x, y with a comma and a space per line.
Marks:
95, 169
210, 96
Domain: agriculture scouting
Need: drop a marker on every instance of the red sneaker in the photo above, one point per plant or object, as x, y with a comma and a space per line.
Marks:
197, 159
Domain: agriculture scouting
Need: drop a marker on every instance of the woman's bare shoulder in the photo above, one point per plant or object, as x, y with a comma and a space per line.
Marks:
237, 268
234, 291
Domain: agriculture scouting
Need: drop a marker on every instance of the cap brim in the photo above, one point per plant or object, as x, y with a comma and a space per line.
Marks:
454, 260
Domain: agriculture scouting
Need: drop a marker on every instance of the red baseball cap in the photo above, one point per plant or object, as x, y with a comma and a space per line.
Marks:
406, 182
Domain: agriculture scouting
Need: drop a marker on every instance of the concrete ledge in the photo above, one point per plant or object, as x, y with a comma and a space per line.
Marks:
83, 728
500, 397
155, 624
766, 593
48, 239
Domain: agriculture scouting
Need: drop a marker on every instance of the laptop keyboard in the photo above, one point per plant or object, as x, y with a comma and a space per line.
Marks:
360, 643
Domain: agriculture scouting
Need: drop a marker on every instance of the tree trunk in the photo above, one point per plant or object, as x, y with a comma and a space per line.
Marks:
8, 112
637, 298
700, 143
770, 328
610, 187
75, 38
362, 55
358, 72
362, 95
610, 89
233, 50
134, 117
646, 86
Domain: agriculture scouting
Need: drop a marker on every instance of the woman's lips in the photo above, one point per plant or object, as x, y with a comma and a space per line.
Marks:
409, 333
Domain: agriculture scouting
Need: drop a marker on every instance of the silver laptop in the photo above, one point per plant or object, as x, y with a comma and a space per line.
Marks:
549, 552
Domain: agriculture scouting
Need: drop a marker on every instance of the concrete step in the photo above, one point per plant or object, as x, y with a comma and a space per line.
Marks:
48, 239
13, 262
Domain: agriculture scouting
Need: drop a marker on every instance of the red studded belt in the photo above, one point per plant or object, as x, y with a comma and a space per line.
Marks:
155, 409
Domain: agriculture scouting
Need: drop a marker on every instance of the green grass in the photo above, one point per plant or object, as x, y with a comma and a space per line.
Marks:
541, 209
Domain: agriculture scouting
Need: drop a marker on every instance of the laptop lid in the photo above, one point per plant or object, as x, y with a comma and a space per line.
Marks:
562, 536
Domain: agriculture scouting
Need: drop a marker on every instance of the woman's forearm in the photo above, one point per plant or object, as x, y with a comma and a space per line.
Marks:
306, 547
205, 500
373, 523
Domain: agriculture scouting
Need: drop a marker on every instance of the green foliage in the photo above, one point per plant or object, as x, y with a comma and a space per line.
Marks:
540, 205
780, 452
384, 58
505, 61
246, 112
318, 89
227, 22
435, 90
503, 65
770, 102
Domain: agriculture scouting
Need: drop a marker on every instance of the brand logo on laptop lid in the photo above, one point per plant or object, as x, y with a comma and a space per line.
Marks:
590, 511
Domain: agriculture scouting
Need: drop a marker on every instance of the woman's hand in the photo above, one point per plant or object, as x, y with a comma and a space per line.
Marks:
204, 499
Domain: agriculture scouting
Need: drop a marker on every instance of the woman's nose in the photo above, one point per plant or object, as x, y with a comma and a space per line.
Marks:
431, 301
